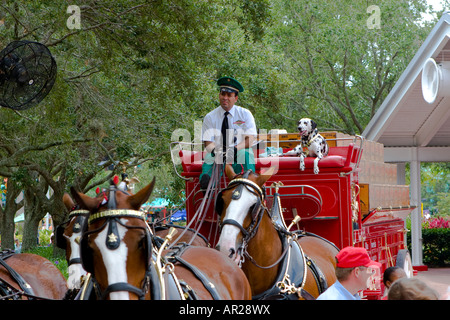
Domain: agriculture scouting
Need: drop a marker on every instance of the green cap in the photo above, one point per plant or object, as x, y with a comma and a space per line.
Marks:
230, 84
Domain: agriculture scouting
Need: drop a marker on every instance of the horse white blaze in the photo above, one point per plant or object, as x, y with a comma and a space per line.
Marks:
237, 210
75, 270
115, 260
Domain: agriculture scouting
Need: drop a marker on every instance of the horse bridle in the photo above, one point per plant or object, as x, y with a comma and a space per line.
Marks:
80, 216
257, 211
112, 217
257, 214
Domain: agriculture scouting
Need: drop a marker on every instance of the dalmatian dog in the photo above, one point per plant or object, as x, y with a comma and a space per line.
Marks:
311, 140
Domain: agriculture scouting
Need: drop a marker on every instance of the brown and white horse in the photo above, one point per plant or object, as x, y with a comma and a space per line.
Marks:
30, 276
67, 237
250, 238
117, 248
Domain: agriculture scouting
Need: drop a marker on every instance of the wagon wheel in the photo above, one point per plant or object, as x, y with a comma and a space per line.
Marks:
404, 262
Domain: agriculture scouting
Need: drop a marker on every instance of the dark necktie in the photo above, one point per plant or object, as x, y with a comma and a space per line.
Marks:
224, 131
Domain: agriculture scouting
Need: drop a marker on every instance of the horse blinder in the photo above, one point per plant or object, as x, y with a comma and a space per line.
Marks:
236, 196
86, 254
219, 204
60, 240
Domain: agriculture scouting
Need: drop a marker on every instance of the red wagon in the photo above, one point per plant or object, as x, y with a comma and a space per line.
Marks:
332, 204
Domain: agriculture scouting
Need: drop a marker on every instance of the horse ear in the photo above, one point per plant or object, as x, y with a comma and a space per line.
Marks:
229, 172
142, 196
84, 201
68, 202
264, 176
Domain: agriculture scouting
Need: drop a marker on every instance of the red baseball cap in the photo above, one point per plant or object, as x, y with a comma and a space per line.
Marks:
351, 257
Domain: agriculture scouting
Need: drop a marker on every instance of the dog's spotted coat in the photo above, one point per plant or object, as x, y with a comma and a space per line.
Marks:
311, 139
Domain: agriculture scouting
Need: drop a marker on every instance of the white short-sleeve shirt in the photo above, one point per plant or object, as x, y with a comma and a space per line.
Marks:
240, 120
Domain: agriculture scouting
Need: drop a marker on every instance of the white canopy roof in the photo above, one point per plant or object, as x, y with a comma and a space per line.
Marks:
405, 119
413, 130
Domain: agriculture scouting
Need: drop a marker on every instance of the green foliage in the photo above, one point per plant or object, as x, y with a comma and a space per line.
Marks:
255, 18
47, 252
435, 187
135, 72
45, 237
443, 204
436, 242
341, 69
436, 246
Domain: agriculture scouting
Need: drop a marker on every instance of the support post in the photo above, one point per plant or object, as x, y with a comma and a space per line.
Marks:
416, 215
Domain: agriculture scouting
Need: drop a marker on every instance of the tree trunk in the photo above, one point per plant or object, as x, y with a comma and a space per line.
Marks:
30, 233
7, 214
59, 214
34, 213
7, 228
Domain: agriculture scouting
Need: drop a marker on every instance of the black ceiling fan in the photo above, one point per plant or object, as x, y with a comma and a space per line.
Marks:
27, 74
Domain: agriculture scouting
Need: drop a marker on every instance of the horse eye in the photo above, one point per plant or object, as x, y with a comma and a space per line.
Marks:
142, 242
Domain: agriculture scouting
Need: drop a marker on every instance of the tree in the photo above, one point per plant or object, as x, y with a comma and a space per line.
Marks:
435, 187
443, 204
135, 71
342, 65
125, 82
8, 212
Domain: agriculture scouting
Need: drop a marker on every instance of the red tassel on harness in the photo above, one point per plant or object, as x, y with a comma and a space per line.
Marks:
105, 199
116, 180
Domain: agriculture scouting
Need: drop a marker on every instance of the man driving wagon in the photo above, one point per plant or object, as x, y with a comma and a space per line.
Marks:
228, 133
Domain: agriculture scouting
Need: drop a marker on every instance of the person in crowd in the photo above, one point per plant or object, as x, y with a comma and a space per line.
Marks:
411, 289
353, 270
390, 275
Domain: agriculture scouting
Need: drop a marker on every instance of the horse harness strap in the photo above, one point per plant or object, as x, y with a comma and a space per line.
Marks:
258, 209
238, 225
17, 277
174, 256
291, 277
200, 276
321, 281
117, 213
80, 215
123, 286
